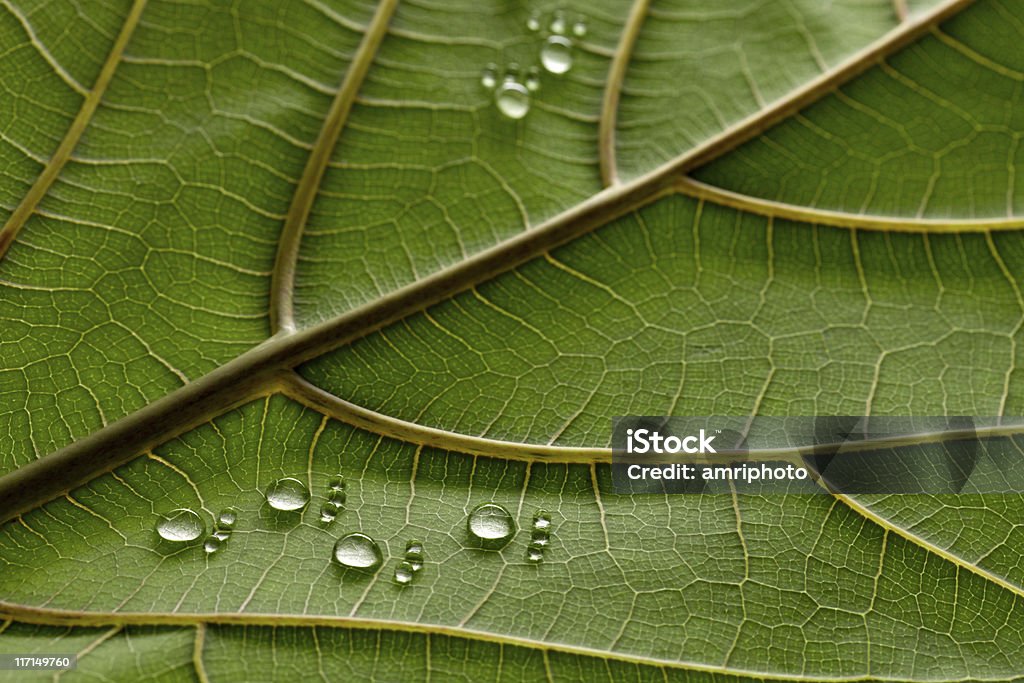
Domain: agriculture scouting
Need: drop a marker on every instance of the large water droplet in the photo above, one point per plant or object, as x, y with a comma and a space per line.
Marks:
491, 524
404, 572
489, 76
414, 555
556, 55
180, 526
287, 494
227, 518
212, 544
513, 99
358, 551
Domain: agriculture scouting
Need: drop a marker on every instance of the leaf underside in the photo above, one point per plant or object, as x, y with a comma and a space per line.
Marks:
784, 208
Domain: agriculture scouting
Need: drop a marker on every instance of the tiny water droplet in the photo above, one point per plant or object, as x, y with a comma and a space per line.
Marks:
404, 572
489, 76
337, 483
337, 498
287, 494
414, 555
358, 551
221, 535
227, 518
513, 99
579, 28
328, 512
212, 544
542, 520
558, 23
533, 79
556, 55
491, 524
534, 553
180, 526
533, 22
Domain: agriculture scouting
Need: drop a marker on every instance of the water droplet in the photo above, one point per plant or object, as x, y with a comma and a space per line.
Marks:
489, 76
337, 498
539, 537
542, 520
287, 494
404, 572
212, 544
556, 55
491, 524
328, 512
534, 553
513, 99
221, 535
533, 79
414, 555
227, 518
558, 23
180, 526
337, 483
358, 551
579, 28
533, 22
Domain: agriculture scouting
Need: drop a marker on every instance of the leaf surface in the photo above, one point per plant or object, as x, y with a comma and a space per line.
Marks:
299, 240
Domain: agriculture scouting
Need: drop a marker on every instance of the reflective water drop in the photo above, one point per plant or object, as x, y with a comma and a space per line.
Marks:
579, 28
414, 555
358, 551
556, 55
180, 526
337, 483
513, 99
534, 553
542, 520
533, 79
404, 572
212, 544
489, 76
221, 535
227, 518
328, 512
337, 498
539, 537
558, 23
287, 494
533, 22
491, 524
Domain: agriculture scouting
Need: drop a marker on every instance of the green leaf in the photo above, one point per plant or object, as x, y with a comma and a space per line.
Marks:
297, 239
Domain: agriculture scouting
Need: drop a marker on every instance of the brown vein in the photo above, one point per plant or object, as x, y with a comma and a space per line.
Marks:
63, 617
841, 219
282, 285
613, 90
41, 186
